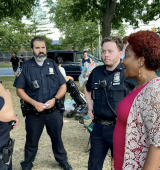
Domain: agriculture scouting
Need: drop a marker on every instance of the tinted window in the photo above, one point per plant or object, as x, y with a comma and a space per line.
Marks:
79, 57
67, 57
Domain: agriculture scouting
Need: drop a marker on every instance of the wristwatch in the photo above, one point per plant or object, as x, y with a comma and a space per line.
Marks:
56, 99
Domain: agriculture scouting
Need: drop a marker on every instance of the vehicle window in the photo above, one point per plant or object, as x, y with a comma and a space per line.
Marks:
79, 57
50, 55
67, 57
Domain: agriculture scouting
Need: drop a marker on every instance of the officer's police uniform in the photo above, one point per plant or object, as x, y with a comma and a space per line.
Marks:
117, 88
4, 137
41, 83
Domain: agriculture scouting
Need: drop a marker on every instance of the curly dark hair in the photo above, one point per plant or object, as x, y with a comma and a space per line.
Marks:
146, 44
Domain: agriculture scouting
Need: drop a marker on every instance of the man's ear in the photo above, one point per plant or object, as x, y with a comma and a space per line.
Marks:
120, 53
31, 49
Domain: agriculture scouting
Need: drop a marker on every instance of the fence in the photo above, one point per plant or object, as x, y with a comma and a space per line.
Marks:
5, 57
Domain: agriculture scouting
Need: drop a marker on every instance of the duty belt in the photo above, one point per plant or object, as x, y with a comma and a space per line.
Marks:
104, 122
48, 111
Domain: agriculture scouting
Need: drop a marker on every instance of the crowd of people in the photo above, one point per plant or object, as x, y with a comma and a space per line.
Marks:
123, 98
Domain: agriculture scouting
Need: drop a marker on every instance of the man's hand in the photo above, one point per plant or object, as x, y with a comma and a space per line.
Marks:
90, 114
17, 121
38, 106
49, 104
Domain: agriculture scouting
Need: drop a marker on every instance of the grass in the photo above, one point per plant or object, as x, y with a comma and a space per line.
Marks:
74, 135
4, 65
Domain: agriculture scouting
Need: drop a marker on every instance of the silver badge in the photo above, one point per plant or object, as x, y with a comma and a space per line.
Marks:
116, 80
51, 71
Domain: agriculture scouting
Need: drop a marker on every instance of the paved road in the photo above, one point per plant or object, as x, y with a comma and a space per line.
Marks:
6, 72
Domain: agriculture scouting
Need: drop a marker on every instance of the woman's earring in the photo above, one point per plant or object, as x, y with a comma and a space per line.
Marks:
140, 71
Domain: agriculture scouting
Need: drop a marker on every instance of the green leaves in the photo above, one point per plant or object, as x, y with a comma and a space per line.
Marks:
16, 8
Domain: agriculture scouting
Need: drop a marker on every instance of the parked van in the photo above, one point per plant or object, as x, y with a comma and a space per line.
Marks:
71, 60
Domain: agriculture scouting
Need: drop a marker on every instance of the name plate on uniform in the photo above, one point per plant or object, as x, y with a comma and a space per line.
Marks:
51, 71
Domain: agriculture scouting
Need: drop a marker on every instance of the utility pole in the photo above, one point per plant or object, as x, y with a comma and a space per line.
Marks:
99, 45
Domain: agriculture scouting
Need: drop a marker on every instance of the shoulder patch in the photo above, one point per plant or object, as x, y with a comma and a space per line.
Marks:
19, 71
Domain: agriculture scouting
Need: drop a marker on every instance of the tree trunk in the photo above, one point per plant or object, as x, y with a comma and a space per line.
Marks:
74, 47
107, 20
92, 51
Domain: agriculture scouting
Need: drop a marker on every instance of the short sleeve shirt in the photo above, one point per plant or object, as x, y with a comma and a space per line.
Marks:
41, 83
14, 61
62, 70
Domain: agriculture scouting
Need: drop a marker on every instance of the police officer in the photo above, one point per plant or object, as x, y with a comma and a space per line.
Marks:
6, 115
106, 87
40, 84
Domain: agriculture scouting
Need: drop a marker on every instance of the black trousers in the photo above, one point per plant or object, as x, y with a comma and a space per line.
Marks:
101, 142
34, 128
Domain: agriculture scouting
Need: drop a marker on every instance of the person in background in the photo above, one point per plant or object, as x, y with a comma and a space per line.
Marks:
6, 115
14, 62
41, 85
59, 61
106, 87
136, 139
125, 43
21, 60
85, 59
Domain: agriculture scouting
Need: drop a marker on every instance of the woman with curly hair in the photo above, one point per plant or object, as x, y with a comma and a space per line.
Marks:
136, 140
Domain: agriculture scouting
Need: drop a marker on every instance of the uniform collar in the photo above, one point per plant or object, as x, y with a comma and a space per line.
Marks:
34, 64
118, 68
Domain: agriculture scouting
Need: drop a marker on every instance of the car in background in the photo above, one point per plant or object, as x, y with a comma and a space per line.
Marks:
71, 60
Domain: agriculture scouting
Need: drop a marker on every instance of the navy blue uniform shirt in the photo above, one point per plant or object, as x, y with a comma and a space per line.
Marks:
117, 88
41, 83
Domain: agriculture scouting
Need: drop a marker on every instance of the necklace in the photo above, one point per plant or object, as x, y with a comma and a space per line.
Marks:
146, 81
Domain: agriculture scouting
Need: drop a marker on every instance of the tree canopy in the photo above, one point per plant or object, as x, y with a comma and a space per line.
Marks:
111, 13
16, 8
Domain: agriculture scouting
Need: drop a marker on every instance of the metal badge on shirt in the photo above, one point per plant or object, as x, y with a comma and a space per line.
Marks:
116, 79
51, 71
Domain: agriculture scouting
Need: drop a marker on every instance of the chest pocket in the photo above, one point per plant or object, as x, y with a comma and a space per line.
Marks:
116, 93
52, 80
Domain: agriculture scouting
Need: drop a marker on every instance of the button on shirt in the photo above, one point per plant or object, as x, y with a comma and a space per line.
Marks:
41, 83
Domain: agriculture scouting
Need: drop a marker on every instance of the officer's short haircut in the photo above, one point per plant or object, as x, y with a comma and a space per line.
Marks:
59, 60
115, 39
37, 39
84, 52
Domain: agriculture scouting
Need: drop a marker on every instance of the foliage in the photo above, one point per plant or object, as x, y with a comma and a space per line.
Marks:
16, 9
79, 34
38, 19
15, 35
111, 13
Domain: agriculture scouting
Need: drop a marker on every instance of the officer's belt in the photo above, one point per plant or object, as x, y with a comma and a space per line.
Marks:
104, 122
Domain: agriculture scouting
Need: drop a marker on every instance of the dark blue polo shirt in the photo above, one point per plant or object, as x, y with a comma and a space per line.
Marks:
117, 88
41, 83
4, 128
